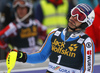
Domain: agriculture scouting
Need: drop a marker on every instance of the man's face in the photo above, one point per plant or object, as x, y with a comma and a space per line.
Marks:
21, 11
73, 22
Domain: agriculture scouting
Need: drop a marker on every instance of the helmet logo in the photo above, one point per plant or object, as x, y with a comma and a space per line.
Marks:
82, 9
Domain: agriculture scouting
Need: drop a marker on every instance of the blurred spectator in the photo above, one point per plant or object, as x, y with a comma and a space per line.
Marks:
2, 4
94, 30
24, 32
52, 13
92, 3
35, 3
7, 14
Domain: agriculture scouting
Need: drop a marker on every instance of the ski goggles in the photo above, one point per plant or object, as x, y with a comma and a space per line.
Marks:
19, 2
81, 16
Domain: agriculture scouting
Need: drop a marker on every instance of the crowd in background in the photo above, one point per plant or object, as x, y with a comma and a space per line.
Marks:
7, 11
7, 14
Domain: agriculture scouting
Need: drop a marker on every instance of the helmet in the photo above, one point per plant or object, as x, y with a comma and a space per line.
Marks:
84, 13
23, 3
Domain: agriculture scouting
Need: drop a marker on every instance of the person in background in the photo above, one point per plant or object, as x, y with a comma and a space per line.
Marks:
93, 31
24, 32
7, 14
69, 49
52, 13
2, 4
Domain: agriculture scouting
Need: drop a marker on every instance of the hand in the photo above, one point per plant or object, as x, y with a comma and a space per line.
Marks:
14, 56
21, 56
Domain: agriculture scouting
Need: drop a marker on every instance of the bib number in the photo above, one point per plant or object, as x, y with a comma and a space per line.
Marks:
31, 41
59, 58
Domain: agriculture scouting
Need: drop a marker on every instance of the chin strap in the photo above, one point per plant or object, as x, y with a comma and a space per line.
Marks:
73, 29
82, 26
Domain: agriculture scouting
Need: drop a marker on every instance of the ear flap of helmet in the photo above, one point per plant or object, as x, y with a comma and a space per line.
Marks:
90, 17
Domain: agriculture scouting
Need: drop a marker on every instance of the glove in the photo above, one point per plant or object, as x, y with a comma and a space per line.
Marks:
21, 56
14, 56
